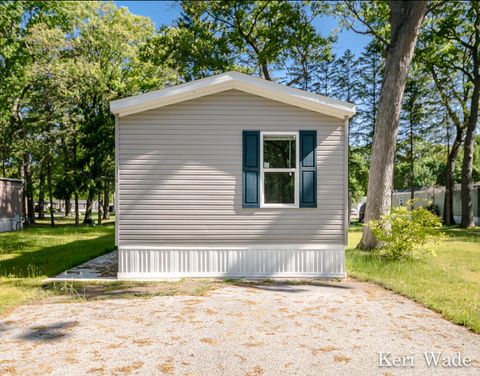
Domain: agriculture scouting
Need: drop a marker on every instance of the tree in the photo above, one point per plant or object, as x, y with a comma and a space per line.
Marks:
454, 29
61, 64
370, 69
192, 47
108, 50
23, 52
304, 58
405, 20
346, 83
413, 124
324, 76
253, 36
358, 159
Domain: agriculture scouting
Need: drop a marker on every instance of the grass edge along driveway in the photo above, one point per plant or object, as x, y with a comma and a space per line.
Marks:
448, 283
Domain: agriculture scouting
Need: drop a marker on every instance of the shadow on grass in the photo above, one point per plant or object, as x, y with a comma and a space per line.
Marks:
55, 259
456, 233
51, 332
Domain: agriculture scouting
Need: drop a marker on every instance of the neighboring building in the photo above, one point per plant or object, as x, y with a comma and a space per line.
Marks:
59, 206
233, 176
10, 204
436, 197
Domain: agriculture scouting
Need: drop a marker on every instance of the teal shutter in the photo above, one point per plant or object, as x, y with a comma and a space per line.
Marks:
251, 169
308, 169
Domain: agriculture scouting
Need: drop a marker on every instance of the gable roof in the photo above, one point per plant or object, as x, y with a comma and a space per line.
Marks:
228, 81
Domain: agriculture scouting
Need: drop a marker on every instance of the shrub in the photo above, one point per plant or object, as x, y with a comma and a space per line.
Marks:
406, 230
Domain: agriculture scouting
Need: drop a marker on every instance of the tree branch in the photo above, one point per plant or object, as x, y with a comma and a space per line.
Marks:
451, 113
371, 30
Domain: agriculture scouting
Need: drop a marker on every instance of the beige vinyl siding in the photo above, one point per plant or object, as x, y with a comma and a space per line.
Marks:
180, 175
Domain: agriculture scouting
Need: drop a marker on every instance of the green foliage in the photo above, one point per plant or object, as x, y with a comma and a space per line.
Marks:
60, 65
406, 230
370, 72
253, 36
358, 163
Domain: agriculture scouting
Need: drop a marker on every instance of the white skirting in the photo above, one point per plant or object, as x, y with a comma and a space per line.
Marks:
326, 261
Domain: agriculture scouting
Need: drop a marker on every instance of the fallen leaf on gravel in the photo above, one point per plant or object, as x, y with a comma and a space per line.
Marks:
342, 358
254, 344
210, 341
255, 371
324, 349
127, 370
166, 368
242, 358
97, 371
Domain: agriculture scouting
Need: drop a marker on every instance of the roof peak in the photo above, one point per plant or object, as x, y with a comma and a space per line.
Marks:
228, 81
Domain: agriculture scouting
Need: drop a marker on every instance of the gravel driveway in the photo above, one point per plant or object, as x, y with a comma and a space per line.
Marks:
316, 329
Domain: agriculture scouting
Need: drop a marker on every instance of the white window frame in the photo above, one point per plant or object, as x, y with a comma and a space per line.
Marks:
294, 170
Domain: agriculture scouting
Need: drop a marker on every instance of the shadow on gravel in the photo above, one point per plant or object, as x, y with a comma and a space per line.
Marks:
51, 332
292, 286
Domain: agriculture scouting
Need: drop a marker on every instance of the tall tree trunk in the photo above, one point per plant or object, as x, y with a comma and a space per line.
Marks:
41, 193
50, 191
106, 200
87, 219
77, 212
265, 72
412, 165
468, 151
405, 19
24, 197
68, 206
99, 213
75, 178
448, 217
29, 188
3, 162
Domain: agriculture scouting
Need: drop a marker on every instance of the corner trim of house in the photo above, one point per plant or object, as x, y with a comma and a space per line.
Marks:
117, 180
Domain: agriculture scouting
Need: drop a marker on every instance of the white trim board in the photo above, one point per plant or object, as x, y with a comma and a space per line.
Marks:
170, 276
264, 247
229, 81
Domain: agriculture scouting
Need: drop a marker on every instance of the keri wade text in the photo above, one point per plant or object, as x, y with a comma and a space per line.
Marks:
430, 358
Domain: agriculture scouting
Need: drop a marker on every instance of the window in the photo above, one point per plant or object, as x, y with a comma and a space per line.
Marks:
278, 169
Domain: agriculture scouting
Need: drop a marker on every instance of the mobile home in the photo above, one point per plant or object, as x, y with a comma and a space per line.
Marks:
231, 176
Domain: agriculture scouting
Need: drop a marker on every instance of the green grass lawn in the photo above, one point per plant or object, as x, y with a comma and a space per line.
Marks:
29, 256
448, 283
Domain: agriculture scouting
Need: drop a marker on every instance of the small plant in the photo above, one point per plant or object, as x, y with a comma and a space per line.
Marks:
67, 288
406, 230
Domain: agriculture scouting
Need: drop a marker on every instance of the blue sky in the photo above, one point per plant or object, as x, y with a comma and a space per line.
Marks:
165, 12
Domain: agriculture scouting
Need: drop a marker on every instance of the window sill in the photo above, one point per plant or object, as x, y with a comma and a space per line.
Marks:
279, 206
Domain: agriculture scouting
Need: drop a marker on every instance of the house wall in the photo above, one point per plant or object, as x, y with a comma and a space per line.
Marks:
180, 175
180, 188
10, 204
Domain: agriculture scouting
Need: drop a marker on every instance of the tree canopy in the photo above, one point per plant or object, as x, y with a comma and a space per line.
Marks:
62, 62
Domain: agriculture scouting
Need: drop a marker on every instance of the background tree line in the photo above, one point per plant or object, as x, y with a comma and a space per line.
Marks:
62, 62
